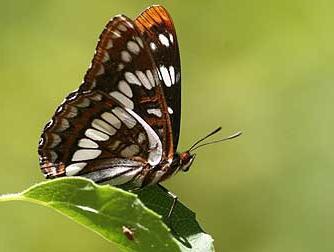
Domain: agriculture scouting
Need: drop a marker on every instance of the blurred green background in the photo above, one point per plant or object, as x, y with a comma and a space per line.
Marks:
263, 67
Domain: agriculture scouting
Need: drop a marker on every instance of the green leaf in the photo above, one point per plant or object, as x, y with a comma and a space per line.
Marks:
106, 210
182, 222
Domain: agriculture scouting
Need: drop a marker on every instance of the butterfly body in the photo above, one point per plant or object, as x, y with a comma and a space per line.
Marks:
122, 124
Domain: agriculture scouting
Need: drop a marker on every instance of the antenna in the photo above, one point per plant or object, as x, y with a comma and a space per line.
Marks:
194, 146
207, 136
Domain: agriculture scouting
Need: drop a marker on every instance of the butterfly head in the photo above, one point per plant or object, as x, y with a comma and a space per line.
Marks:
186, 159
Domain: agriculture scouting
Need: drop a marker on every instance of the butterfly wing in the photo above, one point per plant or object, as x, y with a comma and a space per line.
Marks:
157, 29
117, 123
124, 68
93, 134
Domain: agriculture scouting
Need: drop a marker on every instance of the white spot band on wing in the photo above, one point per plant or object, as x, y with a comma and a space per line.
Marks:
74, 168
143, 79
96, 135
165, 76
164, 40
127, 119
131, 78
156, 112
124, 87
155, 145
87, 143
122, 99
85, 154
112, 119
103, 126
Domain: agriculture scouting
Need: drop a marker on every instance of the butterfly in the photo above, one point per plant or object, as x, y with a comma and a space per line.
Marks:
122, 124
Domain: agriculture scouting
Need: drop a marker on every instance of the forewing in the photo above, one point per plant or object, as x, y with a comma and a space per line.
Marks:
123, 67
157, 29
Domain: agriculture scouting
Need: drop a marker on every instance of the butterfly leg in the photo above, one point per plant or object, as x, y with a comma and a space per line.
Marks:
173, 196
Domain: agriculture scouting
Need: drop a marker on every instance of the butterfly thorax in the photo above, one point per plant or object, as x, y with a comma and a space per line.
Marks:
164, 170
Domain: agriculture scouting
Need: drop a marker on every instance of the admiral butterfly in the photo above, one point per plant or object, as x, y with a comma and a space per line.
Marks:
122, 124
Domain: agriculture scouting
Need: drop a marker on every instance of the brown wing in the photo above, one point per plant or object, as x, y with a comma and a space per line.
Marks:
122, 85
92, 133
124, 68
157, 29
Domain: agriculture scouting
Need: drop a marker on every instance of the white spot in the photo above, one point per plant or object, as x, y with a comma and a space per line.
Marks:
141, 137
140, 42
93, 84
84, 103
72, 96
105, 57
74, 168
120, 16
60, 108
125, 55
156, 112
155, 152
96, 97
100, 71
103, 126
109, 44
133, 47
96, 135
165, 76
143, 79
124, 178
130, 151
172, 74
122, 99
115, 34
131, 78
63, 125
120, 67
171, 38
87, 143
124, 87
71, 111
153, 46
129, 24
113, 120
114, 145
41, 141
122, 27
55, 140
170, 110
164, 40
49, 124
150, 77
127, 119
85, 154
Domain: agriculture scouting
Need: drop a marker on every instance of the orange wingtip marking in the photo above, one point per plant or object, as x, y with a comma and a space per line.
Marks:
155, 14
